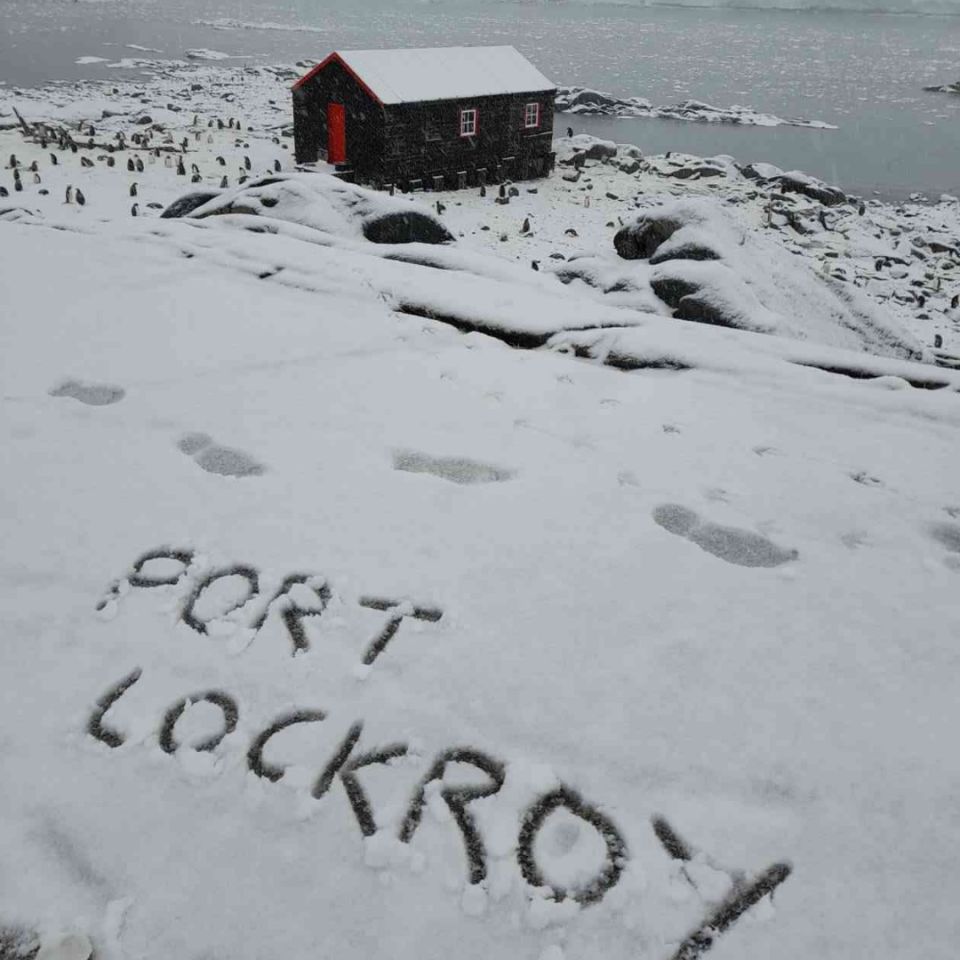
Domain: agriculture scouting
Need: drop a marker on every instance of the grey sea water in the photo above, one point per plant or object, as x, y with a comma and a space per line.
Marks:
863, 72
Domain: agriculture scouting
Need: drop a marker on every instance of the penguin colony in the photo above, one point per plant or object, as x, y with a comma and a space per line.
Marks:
153, 142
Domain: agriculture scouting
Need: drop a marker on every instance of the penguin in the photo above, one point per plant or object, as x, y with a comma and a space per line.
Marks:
822, 217
196, 120
196, 136
503, 190
133, 189
526, 225
570, 132
921, 300
221, 161
194, 168
86, 162
937, 341
139, 164
184, 143
168, 161
156, 153
878, 266
440, 208
111, 162
955, 302
181, 169
73, 148
4, 192
196, 178
13, 161
81, 199
276, 140
92, 132
243, 179
90, 143
230, 124
219, 124
209, 138
862, 209
130, 166
69, 195
16, 175
34, 168
276, 166
135, 210
17, 186
36, 178
668, 154
586, 201
483, 190
209, 123
246, 162
224, 183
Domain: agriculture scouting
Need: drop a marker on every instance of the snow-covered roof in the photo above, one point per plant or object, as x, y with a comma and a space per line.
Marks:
444, 73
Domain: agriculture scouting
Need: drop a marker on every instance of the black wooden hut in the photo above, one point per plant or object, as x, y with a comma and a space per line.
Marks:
441, 118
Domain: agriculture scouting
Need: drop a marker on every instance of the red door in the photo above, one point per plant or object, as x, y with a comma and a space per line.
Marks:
336, 133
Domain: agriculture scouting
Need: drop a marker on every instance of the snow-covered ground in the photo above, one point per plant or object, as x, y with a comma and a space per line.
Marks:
634, 639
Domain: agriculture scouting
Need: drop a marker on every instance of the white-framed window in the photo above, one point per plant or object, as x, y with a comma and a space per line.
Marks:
531, 116
468, 123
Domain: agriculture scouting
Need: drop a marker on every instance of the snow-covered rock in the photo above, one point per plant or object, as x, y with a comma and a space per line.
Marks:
711, 269
324, 203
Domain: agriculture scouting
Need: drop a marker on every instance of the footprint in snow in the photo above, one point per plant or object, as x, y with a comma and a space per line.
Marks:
864, 478
741, 547
224, 461
948, 536
454, 469
92, 394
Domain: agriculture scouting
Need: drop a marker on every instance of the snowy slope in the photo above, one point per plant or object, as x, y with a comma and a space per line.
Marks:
720, 599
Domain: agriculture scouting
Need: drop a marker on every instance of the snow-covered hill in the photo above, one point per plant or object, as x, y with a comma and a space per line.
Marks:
374, 600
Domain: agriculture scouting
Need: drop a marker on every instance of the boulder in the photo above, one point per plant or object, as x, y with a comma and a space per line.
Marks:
188, 203
639, 239
407, 227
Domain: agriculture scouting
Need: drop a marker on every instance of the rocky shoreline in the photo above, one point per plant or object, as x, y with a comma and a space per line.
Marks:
594, 103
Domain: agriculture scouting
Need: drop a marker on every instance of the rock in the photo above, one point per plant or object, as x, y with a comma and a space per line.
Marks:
557, 256
572, 177
761, 171
685, 251
701, 172
188, 203
407, 227
671, 290
144, 120
641, 238
629, 166
513, 192
570, 232
700, 309
532, 190
612, 196
808, 187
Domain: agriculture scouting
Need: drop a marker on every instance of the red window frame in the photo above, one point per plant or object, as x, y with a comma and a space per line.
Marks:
476, 121
527, 125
